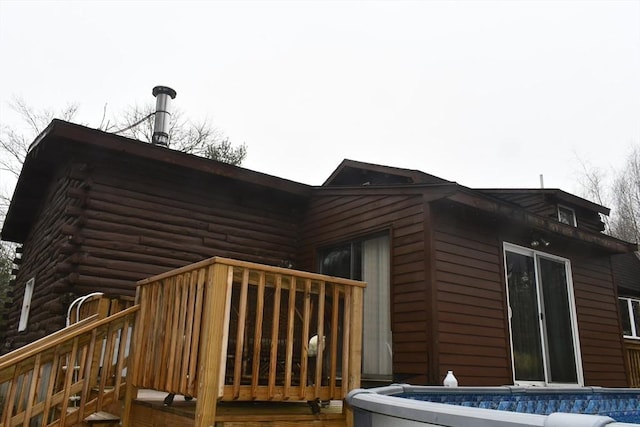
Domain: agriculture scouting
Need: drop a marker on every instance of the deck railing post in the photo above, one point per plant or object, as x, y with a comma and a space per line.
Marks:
355, 343
131, 391
212, 339
355, 346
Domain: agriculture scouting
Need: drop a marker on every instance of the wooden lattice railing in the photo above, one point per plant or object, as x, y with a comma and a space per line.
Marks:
229, 330
62, 378
632, 359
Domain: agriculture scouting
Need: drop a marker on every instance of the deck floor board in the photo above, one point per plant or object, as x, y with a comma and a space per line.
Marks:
149, 410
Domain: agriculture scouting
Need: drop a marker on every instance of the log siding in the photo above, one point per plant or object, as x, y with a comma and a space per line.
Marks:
44, 252
106, 225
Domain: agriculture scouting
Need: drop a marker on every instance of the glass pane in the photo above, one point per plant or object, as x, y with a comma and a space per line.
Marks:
368, 260
559, 329
566, 216
635, 306
525, 329
376, 328
337, 261
624, 315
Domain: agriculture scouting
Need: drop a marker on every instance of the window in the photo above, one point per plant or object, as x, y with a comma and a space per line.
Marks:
630, 315
368, 260
567, 215
544, 331
26, 304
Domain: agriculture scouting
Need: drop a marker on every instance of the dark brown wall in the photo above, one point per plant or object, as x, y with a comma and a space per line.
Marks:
626, 274
122, 221
108, 222
335, 216
139, 221
43, 252
471, 320
598, 320
472, 332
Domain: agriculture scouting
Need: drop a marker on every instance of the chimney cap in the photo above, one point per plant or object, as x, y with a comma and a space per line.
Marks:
164, 89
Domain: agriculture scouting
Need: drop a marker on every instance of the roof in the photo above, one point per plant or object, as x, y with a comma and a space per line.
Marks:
355, 176
351, 172
61, 140
555, 192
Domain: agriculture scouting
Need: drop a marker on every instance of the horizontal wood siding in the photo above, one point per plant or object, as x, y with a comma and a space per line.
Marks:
596, 306
336, 216
472, 333
598, 321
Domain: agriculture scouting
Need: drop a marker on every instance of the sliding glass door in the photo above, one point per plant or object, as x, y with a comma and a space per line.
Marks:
369, 260
544, 333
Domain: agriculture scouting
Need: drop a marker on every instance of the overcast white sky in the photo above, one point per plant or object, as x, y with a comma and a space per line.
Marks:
488, 94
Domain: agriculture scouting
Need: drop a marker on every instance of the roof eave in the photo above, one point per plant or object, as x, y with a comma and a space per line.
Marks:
479, 201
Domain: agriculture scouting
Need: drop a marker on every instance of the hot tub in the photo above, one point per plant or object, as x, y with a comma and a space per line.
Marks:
403, 405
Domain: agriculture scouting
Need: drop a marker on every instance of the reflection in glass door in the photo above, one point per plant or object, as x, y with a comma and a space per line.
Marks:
369, 260
542, 318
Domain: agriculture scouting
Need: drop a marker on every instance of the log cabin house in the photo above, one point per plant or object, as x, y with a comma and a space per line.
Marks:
501, 286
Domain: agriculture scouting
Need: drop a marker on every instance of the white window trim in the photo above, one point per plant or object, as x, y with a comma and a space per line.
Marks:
573, 212
636, 334
26, 304
573, 315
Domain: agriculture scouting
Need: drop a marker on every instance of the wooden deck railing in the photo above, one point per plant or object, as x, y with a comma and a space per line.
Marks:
62, 378
632, 359
229, 330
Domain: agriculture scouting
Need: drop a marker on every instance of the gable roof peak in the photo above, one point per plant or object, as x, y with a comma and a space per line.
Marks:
356, 173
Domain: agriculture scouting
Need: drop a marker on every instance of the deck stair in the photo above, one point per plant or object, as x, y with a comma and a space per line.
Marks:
102, 418
38, 389
231, 334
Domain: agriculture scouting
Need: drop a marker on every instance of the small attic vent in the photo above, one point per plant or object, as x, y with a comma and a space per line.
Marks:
163, 95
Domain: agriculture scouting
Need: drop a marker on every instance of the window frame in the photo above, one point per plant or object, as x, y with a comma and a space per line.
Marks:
631, 317
26, 304
574, 222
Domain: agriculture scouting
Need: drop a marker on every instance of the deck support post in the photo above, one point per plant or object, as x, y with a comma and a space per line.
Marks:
212, 341
355, 347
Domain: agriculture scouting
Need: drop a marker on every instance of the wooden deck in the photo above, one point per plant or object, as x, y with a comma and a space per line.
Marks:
236, 336
149, 411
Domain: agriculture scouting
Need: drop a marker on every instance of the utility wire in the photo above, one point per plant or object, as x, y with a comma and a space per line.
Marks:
135, 124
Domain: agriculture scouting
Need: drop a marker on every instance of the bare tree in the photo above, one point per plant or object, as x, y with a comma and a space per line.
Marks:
619, 190
136, 122
14, 143
199, 138
594, 188
626, 199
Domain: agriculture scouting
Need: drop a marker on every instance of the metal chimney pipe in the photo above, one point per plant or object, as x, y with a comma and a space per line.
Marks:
161, 125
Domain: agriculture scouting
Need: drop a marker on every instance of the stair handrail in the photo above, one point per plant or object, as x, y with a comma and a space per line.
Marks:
81, 342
